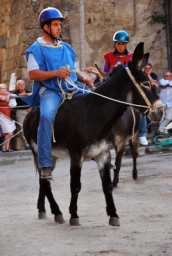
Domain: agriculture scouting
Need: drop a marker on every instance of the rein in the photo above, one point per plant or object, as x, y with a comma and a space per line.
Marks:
69, 95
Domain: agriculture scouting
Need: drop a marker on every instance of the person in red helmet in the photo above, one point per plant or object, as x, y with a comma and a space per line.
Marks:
120, 53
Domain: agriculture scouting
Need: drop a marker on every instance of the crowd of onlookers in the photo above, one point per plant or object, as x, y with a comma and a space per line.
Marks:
12, 113
164, 90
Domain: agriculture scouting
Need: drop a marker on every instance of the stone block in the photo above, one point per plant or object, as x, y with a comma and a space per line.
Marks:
22, 61
94, 7
3, 41
13, 40
21, 72
31, 23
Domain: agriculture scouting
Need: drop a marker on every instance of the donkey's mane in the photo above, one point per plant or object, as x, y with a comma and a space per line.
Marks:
115, 69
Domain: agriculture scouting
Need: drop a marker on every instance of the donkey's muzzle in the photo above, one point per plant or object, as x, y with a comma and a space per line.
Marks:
156, 112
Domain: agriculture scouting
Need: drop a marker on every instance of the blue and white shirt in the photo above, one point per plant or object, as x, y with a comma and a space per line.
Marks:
165, 93
46, 56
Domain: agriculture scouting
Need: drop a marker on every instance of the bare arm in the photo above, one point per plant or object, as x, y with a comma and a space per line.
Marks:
40, 75
24, 94
5, 97
153, 82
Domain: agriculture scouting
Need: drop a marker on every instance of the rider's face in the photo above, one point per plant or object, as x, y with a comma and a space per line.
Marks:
56, 27
120, 47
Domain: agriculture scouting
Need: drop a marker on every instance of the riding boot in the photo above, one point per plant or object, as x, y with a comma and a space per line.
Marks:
46, 173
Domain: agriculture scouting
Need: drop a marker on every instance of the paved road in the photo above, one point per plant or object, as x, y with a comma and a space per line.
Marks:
144, 207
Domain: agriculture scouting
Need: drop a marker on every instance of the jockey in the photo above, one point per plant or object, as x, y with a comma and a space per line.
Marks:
120, 53
50, 62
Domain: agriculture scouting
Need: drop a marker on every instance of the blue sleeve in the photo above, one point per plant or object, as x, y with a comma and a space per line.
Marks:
106, 67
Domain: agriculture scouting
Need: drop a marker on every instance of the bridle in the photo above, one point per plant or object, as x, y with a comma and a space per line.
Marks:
149, 106
68, 95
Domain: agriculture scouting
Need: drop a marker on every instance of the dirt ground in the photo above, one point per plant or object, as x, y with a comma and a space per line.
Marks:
144, 207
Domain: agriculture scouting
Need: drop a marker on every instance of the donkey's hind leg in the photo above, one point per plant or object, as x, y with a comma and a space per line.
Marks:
119, 149
134, 144
118, 161
45, 189
103, 162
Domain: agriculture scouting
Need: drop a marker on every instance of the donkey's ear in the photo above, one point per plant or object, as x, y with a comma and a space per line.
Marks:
138, 55
145, 60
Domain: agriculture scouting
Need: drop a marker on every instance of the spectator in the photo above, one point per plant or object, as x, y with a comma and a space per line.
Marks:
145, 124
22, 108
152, 76
7, 125
165, 95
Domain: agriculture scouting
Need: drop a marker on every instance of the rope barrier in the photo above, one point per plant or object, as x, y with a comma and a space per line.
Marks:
163, 144
15, 133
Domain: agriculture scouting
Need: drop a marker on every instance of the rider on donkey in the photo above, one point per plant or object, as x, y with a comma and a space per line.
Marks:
49, 63
120, 53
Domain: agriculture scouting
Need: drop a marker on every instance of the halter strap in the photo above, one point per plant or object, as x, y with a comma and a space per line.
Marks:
139, 89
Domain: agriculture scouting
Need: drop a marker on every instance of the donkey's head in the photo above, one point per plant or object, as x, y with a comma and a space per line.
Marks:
144, 93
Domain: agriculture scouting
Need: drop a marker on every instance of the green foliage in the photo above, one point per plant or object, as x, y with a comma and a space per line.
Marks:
157, 18
161, 19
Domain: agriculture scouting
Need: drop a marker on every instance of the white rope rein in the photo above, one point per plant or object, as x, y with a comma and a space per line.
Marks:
75, 88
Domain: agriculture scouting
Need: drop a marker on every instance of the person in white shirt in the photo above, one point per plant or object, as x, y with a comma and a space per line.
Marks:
165, 96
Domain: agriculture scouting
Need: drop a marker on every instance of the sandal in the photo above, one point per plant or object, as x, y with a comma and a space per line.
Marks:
3, 150
9, 150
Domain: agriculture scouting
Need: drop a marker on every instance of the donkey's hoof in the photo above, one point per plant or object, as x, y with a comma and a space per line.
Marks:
114, 221
74, 222
42, 215
59, 219
115, 185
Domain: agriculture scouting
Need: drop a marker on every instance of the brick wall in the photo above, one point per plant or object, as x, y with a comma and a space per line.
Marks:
19, 28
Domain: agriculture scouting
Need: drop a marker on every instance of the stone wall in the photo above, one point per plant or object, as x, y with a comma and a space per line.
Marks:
19, 28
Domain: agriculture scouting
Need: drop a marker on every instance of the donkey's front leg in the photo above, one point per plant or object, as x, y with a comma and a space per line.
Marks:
75, 186
45, 187
41, 203
104, 168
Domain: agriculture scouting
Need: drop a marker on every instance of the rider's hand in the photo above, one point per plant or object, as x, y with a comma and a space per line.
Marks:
89, 82
63, 73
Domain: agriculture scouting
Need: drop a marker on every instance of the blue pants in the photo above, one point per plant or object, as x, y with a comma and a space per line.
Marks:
50, 101
143, 126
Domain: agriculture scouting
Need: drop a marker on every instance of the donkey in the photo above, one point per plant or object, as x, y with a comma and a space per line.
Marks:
83, 129
126, 129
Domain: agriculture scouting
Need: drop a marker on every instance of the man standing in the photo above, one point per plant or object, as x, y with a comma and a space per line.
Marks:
165, 96
145, 123
50, 63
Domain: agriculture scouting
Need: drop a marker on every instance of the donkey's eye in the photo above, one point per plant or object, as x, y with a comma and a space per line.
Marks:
146, 83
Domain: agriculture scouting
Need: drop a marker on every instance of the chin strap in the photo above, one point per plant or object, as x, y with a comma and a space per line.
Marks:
50, 34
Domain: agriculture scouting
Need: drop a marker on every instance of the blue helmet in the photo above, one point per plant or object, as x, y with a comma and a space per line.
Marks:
121, 36
49, 13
